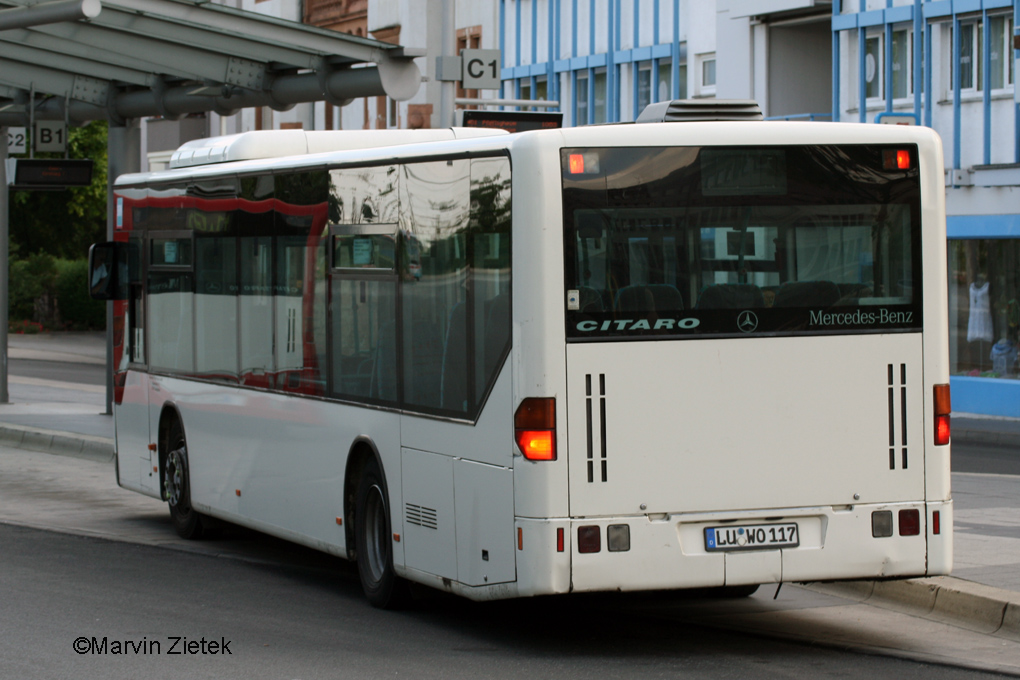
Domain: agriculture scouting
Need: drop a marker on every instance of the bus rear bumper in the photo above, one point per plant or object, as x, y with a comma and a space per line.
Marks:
671, 551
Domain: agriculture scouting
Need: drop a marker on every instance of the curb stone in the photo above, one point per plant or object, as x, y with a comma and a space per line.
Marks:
99, 449
968, 436
969, 428
946, 599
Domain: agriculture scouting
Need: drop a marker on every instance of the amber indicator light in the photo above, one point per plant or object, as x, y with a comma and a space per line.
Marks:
942, 410
583, 163
535, 428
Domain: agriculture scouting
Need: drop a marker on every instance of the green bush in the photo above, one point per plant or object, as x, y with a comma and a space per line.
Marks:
77, 310
30, 280
51, 293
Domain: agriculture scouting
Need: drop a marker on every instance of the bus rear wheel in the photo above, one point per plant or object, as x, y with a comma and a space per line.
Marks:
735, 592
177, 485
383, 588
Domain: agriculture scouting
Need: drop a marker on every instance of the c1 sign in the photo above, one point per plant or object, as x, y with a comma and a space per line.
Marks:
481, 69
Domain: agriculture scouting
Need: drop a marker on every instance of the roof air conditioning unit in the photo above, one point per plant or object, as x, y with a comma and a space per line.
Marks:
687, 110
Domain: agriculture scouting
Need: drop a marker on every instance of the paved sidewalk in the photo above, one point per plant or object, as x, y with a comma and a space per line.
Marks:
983, 595
52, 405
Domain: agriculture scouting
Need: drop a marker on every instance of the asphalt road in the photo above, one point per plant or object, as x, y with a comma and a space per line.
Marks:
986, 458
64, 595
84, 374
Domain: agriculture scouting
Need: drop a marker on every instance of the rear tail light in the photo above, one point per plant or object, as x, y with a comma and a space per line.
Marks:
936, 523
942, 411
896, 159
535, 428
589, 539
910, 522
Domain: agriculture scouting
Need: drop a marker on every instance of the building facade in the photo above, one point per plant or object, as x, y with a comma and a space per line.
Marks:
946, 64
951, 65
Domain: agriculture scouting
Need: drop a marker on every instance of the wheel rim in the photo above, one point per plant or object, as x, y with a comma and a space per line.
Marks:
375, 533
173, 479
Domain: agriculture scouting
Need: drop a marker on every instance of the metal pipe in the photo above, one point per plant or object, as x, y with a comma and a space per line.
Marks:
284, 92
448, 88
4, 278
917, 46
31, 120
986, 77
124, 154
53, 109
835, 71
862, 79
957, 71
49, 13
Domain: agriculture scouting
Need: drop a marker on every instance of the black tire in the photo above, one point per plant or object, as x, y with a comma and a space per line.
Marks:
383, 588
735, 592
177, 485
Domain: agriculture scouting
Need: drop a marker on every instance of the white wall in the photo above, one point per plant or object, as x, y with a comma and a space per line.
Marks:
735, 65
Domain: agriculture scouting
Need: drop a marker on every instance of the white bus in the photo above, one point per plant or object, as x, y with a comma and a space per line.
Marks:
625, 357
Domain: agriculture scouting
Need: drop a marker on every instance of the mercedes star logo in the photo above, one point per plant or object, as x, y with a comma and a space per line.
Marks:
747, 321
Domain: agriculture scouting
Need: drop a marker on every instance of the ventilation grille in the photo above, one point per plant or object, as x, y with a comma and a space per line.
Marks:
422, 516
902, 421
594, 461
688, 110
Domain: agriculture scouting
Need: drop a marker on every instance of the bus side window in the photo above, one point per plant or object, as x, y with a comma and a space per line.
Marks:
255, 295
299, 286
170, 301
491, 271
434, 210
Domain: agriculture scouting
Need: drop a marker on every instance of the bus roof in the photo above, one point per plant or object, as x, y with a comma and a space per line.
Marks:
279, 143
283, 150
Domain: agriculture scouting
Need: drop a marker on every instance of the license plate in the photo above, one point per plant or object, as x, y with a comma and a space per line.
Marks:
752, 537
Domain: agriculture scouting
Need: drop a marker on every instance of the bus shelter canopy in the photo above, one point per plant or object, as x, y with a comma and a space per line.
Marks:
138, 58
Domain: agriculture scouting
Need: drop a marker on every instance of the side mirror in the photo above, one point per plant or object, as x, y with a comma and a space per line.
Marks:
108, 271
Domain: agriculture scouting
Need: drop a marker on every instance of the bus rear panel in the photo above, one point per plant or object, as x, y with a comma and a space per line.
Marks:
747, 396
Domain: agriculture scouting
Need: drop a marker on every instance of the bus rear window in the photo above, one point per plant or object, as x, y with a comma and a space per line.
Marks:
689, 242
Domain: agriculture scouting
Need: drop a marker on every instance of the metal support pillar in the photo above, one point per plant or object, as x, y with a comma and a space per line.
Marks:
123, 154
4, 255
434, 43
448, 90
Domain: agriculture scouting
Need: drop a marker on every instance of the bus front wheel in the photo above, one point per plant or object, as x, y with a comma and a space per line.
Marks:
383, 588
177, 485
